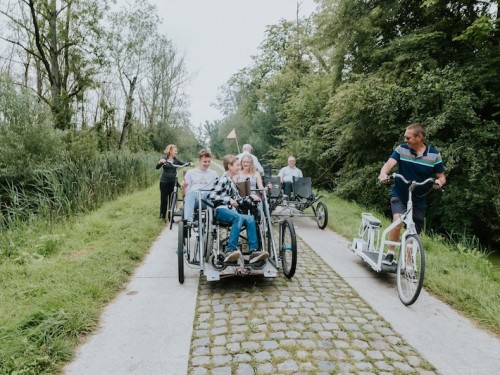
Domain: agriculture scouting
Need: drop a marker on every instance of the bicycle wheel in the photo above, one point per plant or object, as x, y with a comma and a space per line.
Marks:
321, 213
411, 269
180, 251
288, 248
171, 208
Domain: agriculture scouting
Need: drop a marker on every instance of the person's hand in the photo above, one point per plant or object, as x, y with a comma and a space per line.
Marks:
191, 164
383, 178
437, 184
163, 161
255, 198
233, 203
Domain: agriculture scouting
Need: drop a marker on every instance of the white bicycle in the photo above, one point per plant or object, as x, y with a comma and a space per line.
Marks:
370, 246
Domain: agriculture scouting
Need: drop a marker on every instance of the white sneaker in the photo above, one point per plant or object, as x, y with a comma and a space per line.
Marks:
257, 256
232, 256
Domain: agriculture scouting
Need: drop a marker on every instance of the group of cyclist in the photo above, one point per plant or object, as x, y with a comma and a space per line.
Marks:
415, 159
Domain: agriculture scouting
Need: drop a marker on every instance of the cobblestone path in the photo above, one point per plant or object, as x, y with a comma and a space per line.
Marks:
312, 324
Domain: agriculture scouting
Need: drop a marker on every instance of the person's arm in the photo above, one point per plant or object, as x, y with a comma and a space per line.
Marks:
258, 180
258, 166
440, 180
281, 173
185, 182
160, 163
218, 194
386, 169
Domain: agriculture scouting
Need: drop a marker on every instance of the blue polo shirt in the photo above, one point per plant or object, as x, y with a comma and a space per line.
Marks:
415, 168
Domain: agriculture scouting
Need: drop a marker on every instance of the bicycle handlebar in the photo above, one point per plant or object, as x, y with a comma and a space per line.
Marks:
414, 183
188, 164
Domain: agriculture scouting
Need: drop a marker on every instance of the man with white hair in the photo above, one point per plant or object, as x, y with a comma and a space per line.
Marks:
287, 174
248, 149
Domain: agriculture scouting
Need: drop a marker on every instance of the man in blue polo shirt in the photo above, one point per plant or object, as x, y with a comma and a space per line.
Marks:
417, 162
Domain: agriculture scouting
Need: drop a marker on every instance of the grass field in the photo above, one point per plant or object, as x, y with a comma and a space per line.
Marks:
55, 281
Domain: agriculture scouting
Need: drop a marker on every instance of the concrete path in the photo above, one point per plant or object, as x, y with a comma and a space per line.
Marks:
449, 341
148, 328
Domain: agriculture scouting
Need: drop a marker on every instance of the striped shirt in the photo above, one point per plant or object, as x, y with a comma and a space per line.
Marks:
415, 168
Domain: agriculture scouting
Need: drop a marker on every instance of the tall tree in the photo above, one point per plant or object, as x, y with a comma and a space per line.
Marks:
62, 37
130, 39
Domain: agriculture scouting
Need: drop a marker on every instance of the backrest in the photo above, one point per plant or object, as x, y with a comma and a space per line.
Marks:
302, 187
244, 188
275, 191
267, 170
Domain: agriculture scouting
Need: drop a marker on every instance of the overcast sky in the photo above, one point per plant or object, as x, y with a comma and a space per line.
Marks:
218, 38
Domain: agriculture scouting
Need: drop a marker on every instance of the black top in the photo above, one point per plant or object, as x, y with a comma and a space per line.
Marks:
169, 171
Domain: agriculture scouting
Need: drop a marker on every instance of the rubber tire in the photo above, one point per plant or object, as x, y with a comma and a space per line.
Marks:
408, 290
180, 251
207, 236
289, 246
321, 213
171, 208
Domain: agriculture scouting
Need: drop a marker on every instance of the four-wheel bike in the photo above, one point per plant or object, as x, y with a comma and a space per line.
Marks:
301, 199
203, 244
370, 246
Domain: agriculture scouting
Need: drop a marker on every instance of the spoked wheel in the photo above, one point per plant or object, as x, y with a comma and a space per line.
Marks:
321, 213
288, 248
411, 270
171, 208
180, 251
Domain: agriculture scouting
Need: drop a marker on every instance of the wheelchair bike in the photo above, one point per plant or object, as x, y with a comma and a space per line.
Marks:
203, 244
301, 199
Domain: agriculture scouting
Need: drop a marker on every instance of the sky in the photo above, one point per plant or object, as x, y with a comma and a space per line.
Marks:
218, 38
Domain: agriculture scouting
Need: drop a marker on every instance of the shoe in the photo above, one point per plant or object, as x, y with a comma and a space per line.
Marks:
191, 224
232, 256
412, 278
258, 255
389, 259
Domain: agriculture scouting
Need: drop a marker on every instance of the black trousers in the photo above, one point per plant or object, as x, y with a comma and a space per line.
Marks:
166, 189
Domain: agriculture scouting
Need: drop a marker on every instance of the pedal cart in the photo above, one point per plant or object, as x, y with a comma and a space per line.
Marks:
301, 199
203, 245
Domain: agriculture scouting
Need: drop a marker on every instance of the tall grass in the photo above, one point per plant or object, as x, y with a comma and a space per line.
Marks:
72, 186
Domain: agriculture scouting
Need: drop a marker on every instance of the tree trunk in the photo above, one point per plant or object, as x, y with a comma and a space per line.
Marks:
127, 120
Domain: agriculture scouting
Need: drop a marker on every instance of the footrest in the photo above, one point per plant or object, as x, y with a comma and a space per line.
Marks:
369, 219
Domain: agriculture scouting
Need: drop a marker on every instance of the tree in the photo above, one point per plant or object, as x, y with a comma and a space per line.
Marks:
130, 40
62, 37
162, 94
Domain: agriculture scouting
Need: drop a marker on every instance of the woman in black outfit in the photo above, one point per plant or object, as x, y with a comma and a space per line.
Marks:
168, 177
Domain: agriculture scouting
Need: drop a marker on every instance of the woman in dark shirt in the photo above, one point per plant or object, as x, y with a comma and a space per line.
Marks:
168, 178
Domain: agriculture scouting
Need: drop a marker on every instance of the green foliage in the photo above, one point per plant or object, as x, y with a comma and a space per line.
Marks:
338, 93
27, 137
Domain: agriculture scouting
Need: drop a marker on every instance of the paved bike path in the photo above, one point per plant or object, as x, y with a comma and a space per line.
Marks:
148, 328
452, 343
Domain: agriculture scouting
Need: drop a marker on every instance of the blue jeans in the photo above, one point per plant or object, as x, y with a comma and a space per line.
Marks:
225, 215
287, 188
191, 203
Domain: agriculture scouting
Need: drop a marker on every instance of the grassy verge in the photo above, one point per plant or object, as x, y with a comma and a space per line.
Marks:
461, 276
53, 292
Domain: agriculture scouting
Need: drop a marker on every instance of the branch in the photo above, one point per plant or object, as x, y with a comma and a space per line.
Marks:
43, 58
